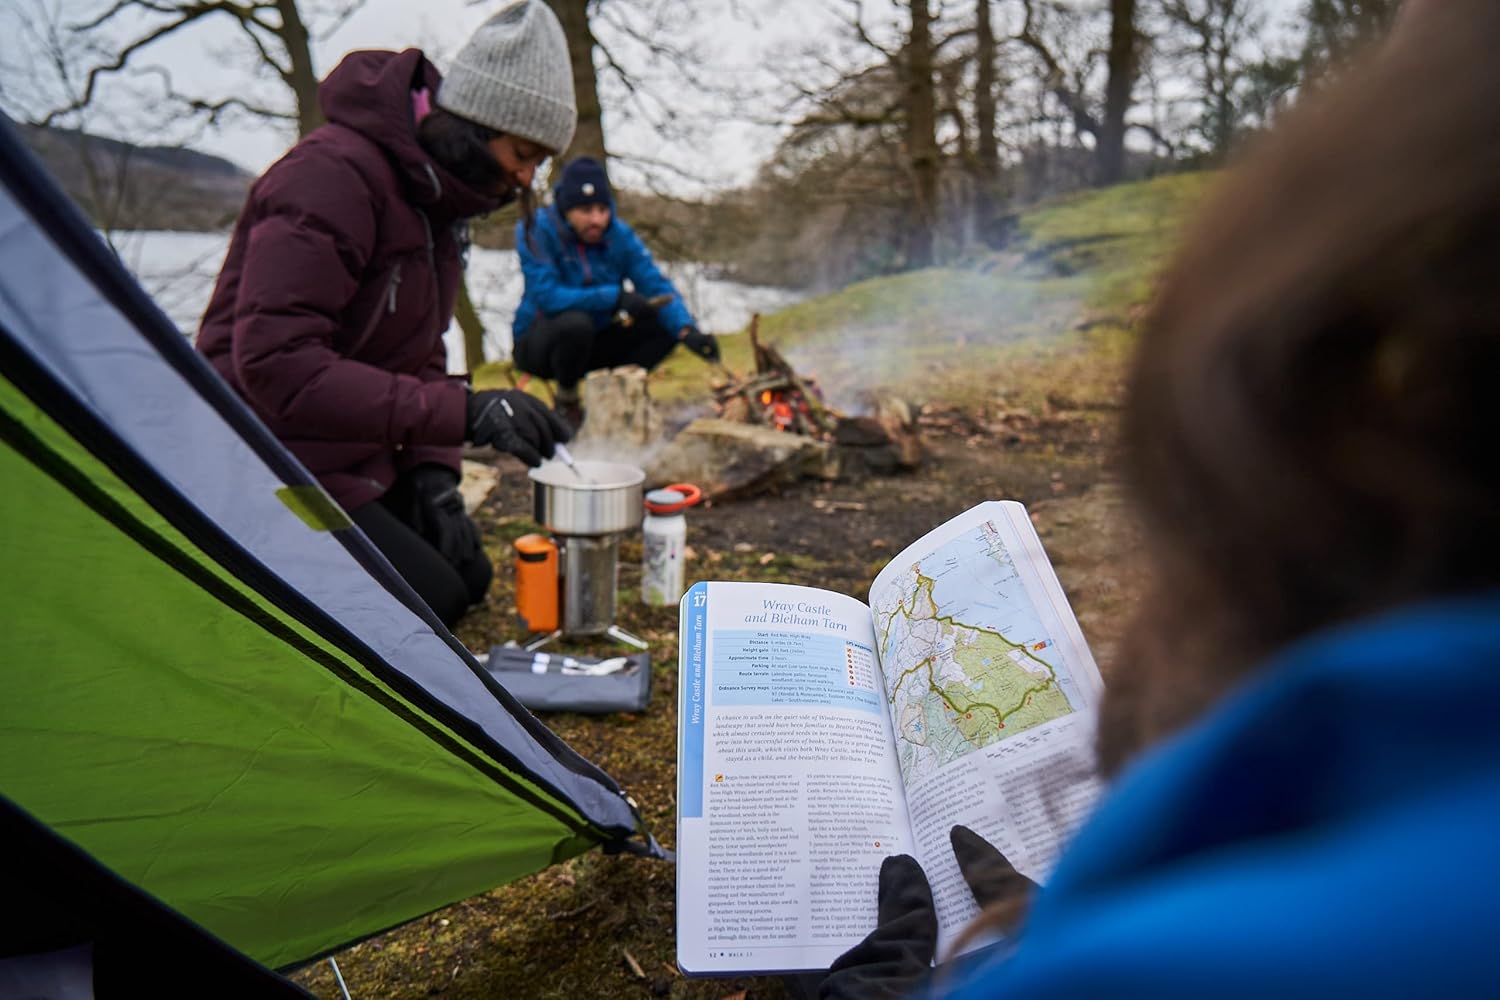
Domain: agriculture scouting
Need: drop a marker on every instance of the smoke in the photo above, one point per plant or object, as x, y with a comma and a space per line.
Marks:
925, 327
604, 447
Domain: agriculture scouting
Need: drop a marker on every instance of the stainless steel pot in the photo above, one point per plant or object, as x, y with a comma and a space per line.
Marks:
592, 498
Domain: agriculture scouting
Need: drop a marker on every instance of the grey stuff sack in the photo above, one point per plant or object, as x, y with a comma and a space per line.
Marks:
542, 685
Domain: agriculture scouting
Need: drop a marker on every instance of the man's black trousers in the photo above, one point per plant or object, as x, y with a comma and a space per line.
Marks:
566, 347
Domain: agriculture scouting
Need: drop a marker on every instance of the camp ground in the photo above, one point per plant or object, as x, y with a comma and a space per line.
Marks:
234, 739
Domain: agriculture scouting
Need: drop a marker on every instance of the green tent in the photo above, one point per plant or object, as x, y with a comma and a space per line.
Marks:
211, 684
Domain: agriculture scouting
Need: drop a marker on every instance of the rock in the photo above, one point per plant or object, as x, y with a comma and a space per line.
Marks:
479, 479
726, 458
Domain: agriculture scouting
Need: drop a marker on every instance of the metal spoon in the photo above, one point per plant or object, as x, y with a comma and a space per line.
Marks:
562, 455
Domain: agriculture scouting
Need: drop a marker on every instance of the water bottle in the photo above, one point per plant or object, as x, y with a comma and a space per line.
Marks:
665, 531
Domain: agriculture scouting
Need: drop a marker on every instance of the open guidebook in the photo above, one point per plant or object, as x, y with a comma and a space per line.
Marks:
819, 735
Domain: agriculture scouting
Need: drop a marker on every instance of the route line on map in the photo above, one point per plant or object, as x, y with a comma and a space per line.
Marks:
927, 583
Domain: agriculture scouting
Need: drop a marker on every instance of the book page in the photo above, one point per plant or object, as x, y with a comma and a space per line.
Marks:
993, 696
788, 791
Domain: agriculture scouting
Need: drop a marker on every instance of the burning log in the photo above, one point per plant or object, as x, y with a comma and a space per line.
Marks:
775, 395
775, 398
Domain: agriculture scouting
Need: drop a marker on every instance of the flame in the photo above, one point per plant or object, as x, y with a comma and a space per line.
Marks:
781, 416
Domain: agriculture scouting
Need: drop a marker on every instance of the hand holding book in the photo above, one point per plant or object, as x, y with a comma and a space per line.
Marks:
896, 957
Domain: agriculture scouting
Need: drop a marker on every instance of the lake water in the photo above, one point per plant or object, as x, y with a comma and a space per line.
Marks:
179, 269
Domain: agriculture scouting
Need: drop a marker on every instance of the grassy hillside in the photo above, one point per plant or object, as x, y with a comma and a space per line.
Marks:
962, 335
119, 185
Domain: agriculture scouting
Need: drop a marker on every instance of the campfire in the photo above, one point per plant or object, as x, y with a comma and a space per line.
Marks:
770, 427
774, 395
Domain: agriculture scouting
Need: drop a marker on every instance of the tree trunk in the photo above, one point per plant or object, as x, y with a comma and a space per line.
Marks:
986, 148
469, 323
921, 135
1122, 68
301, 79
588, 140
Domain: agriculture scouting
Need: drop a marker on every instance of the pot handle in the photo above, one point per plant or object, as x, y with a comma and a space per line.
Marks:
690, 495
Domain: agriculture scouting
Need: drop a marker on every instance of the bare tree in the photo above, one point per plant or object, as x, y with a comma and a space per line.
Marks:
1217, 45
986, 140
642, 60
921, 133
1122, 66
588, 140
276, 35
887, 86
1103, 121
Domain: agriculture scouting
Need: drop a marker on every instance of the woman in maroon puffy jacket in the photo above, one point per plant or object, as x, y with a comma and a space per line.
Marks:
340, 280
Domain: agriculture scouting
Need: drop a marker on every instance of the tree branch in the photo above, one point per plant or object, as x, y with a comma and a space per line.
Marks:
856, 20
1056, 77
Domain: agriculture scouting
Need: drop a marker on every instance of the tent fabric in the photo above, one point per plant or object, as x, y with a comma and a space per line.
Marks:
100, 935
209, 685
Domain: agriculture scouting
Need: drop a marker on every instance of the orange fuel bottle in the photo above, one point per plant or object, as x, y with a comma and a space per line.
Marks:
536, 583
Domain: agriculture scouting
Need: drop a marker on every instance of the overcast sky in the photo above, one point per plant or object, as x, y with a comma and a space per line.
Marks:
735, 37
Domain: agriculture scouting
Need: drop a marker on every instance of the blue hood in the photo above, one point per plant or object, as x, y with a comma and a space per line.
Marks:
1329, 830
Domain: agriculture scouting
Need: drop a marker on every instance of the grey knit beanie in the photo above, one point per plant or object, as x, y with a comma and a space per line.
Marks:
514, 76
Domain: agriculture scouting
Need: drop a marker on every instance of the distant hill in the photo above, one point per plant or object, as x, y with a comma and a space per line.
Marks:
123, 186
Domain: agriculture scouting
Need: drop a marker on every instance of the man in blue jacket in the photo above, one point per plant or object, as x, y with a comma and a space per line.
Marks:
576, 314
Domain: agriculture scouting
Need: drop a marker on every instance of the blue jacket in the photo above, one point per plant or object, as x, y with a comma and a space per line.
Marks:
1333, 829
563, 273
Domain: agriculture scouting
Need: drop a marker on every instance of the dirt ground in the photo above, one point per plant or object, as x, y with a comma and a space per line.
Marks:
603, 926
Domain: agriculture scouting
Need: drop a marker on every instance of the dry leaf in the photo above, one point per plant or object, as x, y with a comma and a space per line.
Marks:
766, 559
743, 547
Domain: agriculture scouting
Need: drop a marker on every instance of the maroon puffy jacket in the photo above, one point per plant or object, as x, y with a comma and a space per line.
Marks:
328, 315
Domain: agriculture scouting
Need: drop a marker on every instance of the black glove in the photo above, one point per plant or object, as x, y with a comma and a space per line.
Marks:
705, 345
440, 517
991, 878
634, 303
514, 421
896, 956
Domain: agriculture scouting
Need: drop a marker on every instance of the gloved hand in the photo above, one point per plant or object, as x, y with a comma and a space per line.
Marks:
705, 345
991, 878
513, 421
896, 956
636, 305
440, 515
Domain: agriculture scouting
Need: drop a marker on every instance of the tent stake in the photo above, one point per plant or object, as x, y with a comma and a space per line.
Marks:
340, 977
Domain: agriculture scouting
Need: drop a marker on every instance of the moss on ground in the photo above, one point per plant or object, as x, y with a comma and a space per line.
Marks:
1018, 358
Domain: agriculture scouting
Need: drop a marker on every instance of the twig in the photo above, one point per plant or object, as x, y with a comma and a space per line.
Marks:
573, 912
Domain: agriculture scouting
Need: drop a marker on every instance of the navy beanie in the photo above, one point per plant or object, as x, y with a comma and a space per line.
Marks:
584, 182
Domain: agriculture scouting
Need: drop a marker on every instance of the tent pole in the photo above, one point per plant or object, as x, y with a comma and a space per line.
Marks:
340, 977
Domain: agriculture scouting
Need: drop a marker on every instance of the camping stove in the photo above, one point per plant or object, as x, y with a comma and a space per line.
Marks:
588, 506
